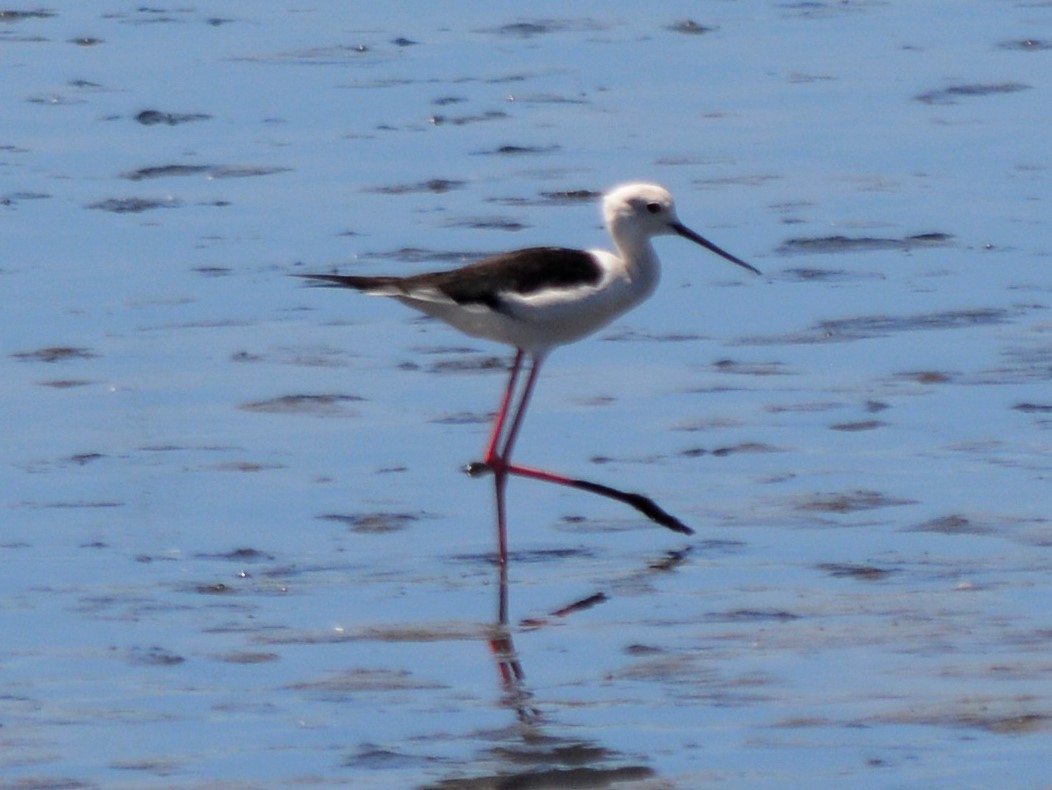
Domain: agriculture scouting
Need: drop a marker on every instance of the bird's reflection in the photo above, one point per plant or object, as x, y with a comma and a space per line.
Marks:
530, 753
512, 677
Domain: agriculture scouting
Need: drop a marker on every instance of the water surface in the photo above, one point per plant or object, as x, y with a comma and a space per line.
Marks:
239, 551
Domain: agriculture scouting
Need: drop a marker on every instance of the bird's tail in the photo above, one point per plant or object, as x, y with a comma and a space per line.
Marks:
379, 284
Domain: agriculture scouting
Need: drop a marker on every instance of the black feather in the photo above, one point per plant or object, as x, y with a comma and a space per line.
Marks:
488, 280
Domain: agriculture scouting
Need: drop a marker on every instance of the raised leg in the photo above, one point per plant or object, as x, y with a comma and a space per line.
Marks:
644, 504
498, 461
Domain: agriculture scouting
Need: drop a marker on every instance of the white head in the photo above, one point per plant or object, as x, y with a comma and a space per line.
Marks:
637, 212
639, 209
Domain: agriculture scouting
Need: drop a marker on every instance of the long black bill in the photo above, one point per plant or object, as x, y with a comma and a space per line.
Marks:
687, 233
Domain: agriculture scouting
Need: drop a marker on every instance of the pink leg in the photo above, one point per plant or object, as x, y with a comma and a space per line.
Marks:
500, 480
496, 459
520, 411
498, 421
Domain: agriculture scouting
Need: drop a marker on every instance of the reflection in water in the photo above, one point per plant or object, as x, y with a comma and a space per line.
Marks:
527, 754
512, 677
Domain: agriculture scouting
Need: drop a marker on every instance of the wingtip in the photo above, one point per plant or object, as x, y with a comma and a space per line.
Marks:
318, 280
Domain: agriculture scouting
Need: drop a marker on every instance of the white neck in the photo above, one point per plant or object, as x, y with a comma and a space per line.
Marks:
640, 261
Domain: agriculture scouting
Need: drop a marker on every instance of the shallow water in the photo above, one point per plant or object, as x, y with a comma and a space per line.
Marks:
238, 548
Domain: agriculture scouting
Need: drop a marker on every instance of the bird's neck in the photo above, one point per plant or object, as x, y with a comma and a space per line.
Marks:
640, 261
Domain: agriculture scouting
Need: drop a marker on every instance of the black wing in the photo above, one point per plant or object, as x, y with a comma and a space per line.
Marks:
520, 272
489, 280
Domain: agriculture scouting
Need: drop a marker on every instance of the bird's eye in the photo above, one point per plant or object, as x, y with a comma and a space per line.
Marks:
654, 208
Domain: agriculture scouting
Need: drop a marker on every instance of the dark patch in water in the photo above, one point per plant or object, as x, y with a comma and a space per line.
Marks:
746, 179
54, 354
84, 503
527, 556
214, 588
1028, 722
21, 16
814, 274
486, 223
311, 357
473, 364
849, 502
860, 425
374, 758
334, 55
325, 405
461, 418
749, 368
243, 554
14, 198
463, 120
690, 27
373, 523
528, 28
1034, 408
418, 255
212, 271
134, 205
65, 384
245, 466
445, 101
643, 650
154, 657
926, 376
155, 117
954, 92
669, 561
520, 150
753, 616
435, 349
437, 186
165, 171
83, 459
571, 195
868, 326
1026, 45
363, 679
847, 244
546, 98
249, 657
853, 571
990, 720
212, 171
953, 524
744, 447
245, 171
633, 335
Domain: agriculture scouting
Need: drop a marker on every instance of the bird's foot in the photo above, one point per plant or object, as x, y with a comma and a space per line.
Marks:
477, 469
494, 466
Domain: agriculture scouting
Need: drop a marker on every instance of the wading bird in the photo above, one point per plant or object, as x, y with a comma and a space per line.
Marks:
538, 298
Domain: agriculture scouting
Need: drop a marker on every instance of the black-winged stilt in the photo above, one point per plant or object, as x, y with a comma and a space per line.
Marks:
538, 298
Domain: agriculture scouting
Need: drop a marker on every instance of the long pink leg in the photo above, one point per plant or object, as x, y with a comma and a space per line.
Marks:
520, 411
495, 459
498, 421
